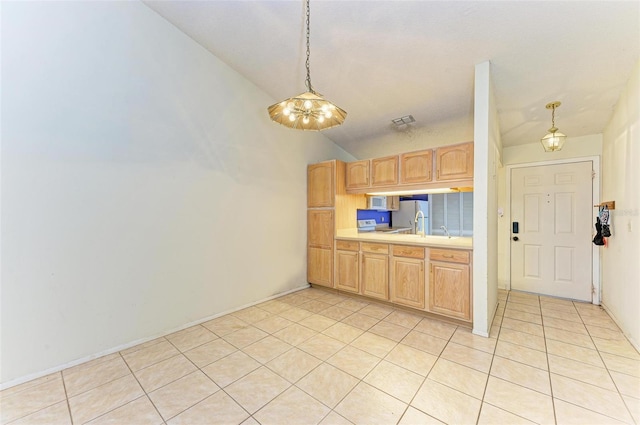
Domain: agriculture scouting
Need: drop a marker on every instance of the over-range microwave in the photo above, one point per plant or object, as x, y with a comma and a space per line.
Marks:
377, 202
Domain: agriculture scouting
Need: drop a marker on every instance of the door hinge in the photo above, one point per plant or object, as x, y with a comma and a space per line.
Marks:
593, 174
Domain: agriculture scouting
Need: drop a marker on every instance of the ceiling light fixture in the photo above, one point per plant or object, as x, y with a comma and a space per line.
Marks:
553, 140
307, 111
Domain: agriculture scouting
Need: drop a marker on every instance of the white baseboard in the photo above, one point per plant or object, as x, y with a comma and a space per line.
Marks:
617, 322
85, 359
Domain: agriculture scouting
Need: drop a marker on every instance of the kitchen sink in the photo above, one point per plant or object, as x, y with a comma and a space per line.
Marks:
402, 230
432, 236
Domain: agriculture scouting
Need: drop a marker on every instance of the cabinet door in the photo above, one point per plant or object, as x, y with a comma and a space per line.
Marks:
320, 228
375, 276
454, 162
415, 167
384, 171
393, 203
407, 282
450, 290
321, 184
347, 271
358, 174
320, 266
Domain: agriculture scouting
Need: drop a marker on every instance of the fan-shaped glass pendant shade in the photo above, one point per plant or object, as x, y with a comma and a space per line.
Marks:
307, 111
553, 141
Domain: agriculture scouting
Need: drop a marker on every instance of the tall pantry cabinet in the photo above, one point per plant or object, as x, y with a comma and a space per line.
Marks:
328, 208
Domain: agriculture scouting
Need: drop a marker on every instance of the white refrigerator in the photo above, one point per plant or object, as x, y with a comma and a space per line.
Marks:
406, 214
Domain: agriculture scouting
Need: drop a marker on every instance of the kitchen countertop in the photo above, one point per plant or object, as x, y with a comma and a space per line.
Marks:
429, 240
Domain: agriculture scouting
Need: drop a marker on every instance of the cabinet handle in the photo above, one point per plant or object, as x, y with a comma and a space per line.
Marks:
447, 255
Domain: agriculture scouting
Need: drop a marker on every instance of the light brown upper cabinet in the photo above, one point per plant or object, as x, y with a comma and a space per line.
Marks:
321, 185
413, 170
358, 174
454, 162
415, 167
384, 171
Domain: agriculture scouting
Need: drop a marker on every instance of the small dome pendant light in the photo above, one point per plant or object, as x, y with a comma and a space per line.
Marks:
553, 140
307, 111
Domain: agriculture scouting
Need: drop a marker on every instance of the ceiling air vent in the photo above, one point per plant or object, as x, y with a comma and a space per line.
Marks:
407, 119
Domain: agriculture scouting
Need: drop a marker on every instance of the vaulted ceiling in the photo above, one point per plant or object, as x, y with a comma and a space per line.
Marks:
380, 60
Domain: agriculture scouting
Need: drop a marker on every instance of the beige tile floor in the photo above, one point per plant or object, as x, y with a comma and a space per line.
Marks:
317, 357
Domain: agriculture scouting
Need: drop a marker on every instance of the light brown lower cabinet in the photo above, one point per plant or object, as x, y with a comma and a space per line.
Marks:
320, 266
450, 283
374, 270
398, 273
375, 275
407, 285
347, 266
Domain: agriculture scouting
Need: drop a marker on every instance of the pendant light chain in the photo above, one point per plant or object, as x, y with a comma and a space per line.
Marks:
553, 140
308, 80
309, 110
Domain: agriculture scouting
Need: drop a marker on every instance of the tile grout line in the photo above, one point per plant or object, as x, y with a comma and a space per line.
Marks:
498, 326
359, 379
493, 356
546, 355
608, 371
428, 372
237, 349
141, 387
268, 368
66, 399
66, 396
383, 359
514, 383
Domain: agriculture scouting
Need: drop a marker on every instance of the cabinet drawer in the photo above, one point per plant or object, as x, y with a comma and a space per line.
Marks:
347, 245
408, 251
379, 248
450, 255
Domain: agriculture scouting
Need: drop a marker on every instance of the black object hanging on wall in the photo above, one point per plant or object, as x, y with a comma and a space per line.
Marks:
598, 239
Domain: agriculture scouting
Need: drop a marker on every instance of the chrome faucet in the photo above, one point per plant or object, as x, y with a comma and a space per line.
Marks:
446, 231
416, 220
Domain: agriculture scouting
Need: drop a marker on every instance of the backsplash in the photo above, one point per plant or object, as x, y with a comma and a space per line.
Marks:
380, 216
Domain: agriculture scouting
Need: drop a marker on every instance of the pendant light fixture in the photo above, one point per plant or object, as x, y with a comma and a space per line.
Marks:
309, 110
553, 140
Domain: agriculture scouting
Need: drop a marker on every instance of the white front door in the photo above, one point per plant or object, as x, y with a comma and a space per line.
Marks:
551, 251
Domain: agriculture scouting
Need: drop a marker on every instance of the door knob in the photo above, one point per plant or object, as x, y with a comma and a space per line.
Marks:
515, 238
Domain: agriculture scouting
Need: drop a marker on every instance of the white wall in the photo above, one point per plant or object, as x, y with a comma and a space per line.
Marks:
620, 183
487, 152
143, 185
574, 147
